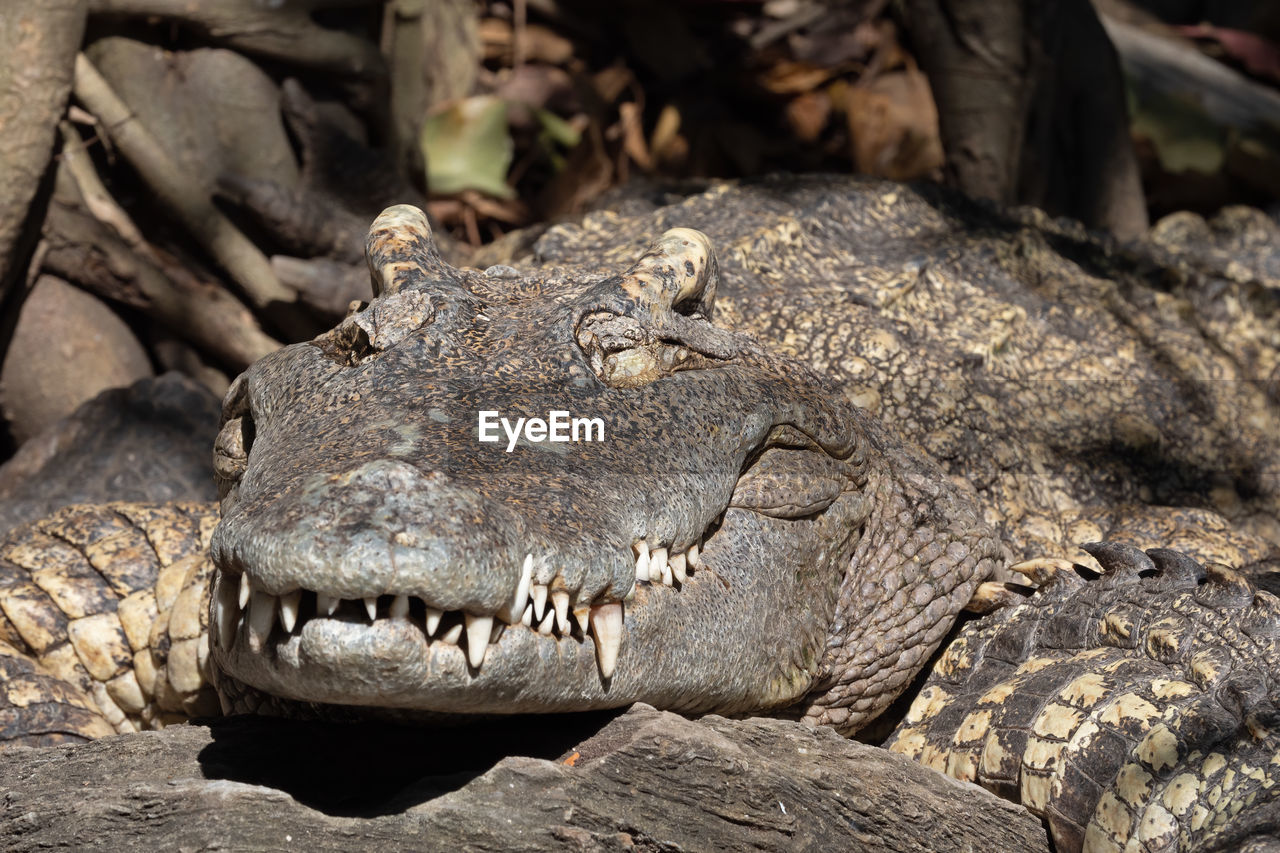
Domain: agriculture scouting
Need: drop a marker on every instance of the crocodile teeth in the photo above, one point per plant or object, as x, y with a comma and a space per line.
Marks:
581, 615
289, 609
658, 565
399, 607
678, 567
548, 622
327, 604
526, 619
642, 560
666, 574
606, 627
478, 630
560, 600
452, 635
433, 619
226, 612
539, 599
245, 589
371, 607
262, 616
510, 611
695, 556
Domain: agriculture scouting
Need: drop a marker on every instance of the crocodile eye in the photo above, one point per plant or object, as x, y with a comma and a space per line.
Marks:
623, 354
235, 438
231, 452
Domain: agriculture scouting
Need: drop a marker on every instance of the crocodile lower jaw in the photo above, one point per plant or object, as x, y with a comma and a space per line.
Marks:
302, 624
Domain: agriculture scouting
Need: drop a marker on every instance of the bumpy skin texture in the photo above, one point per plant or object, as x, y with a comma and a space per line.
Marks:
1068, 383
103, 621
1069, 392
1132, 711
833, 560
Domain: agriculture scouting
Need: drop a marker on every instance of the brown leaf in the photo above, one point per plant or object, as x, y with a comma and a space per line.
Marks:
894, 126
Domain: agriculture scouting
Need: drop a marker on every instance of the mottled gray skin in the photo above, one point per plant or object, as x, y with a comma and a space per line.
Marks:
834, 559
1070, 392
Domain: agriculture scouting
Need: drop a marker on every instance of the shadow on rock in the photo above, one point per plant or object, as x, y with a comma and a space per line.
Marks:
356, 769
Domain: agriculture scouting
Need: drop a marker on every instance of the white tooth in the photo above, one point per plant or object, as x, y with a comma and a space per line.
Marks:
526, 619
658, 565
606, 627
327, 604
509, 611
478, 630
581, 615
666, 574
544, 628
433, 619
452, 635
539, 599
496, 633
226, 612
245, 589
678, 568
560, 600
399, 607
289, 609
695, 556
262, 616
371, 607
642, 560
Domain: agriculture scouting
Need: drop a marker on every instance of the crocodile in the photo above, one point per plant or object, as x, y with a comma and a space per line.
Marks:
817, 445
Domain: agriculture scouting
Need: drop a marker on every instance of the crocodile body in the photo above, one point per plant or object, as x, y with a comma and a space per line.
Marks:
1132, 711
818, 442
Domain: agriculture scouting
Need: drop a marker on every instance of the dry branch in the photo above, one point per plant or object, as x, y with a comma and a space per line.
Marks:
179, 191
282, 31
37, 41
82, 249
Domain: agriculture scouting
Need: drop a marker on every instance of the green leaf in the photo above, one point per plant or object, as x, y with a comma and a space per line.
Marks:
468, 146
557, 129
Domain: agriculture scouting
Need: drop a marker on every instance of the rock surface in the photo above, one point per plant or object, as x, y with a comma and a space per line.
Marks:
68, 346
646, 779
146, 442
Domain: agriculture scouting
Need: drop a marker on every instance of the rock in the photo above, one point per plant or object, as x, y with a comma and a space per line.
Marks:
646, 779
67, 347
147, 442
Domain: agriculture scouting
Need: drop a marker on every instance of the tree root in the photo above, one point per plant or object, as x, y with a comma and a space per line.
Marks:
37, 41
281, 31
179, 192
118, 266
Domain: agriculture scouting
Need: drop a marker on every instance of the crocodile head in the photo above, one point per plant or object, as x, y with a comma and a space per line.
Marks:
670, 514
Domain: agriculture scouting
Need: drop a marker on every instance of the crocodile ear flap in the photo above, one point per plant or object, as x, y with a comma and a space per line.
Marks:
678, 270
401, 253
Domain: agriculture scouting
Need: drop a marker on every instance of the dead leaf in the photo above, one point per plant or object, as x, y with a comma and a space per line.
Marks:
630, 121
1259, 55
807, 114
893, 123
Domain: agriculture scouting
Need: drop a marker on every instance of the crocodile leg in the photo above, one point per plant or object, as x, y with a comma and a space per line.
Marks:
102, 618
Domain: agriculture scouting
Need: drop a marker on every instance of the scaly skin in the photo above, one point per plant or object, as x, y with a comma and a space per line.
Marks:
816, 561
1133, 711
379, 488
